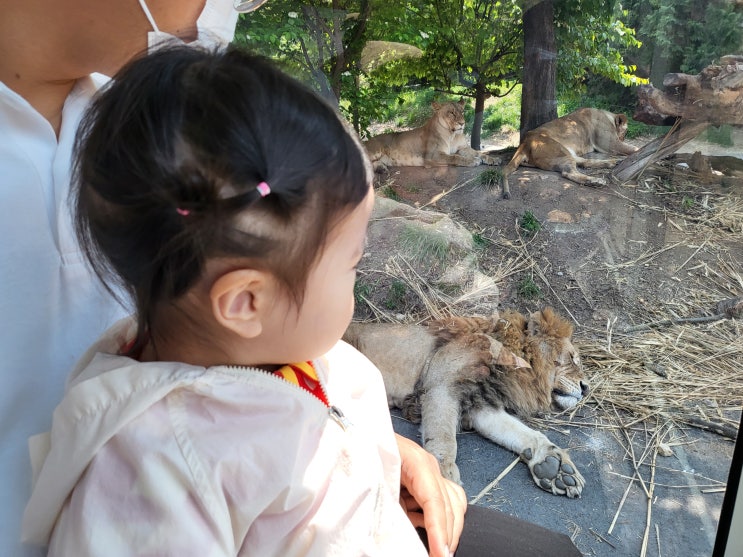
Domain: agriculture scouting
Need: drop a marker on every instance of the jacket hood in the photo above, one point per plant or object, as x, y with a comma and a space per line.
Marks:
104, 393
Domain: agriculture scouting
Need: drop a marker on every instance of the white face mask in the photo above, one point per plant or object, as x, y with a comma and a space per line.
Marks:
215, 26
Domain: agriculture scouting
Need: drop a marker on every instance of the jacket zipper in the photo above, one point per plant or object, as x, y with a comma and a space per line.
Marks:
335, 413
339, 417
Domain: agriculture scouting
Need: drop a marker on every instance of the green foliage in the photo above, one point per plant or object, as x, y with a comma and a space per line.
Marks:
504, 114
361, 292
410, 107
318, 43
687, 203
282, 30
389, 192
479, 240
592, 39
529, 223
528, 289
469, 43
687, 35
395, 299
471, 48
720, 135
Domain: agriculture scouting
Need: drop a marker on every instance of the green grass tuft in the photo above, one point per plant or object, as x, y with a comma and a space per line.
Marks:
361, 291
390, 193
720, 135
425, 246
528, 289
529, 223
490, 178
396, 296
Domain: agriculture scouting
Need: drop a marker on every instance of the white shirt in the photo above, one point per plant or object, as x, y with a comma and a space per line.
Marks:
52, 307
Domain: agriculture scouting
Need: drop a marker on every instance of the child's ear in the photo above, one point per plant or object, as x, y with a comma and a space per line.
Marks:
237, 300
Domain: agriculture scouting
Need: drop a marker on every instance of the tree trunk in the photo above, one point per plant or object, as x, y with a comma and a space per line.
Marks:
480, 96
538, 96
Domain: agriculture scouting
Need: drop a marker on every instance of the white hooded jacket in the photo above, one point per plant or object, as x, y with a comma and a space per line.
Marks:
164, 458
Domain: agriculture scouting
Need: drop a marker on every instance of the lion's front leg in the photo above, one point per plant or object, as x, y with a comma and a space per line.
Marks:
457, 159
550, 466
439, 421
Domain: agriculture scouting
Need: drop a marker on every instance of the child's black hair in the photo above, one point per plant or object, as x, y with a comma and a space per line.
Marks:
167, 161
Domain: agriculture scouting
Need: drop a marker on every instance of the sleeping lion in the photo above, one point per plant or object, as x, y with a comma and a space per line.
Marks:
439, 142
560, 144
482, 374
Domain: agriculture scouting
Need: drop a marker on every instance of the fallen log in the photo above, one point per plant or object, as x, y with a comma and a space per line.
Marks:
715, 95
660, 147
691, 103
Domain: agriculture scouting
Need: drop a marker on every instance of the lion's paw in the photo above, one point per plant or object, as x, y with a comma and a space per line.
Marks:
491, 160
450, 471
597, 181
553, 471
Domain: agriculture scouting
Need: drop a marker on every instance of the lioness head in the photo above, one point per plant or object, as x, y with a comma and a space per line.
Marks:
620, 122
450, 115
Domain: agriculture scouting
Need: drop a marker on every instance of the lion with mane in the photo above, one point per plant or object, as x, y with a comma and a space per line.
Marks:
482, 374
439, 142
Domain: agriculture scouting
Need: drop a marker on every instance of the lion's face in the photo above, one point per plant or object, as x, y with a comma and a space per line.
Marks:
556, 356
450, 115
620, 121
569, 385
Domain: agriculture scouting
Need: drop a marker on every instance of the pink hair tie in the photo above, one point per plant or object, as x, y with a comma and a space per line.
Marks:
263, 188
182, 212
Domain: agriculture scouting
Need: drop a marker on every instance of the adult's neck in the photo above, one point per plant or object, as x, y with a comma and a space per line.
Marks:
45, 47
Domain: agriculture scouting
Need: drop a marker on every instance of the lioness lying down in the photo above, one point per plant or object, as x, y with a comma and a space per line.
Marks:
559, 145
482, 373
439, 142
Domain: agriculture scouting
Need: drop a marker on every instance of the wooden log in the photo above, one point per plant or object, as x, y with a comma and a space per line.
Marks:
690, 103
658, 148
715, 95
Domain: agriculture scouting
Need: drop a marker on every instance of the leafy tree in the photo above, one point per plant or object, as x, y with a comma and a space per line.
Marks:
471, 48
685, 35
565, 41
319, 42
474, 48
592, 38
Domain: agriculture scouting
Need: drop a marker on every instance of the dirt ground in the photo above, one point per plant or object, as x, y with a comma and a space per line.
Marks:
612, 259
622, 253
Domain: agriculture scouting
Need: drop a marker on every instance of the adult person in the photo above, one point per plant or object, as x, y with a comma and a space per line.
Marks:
53, 58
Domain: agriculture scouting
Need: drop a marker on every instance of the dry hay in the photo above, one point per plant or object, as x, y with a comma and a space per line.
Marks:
680, 365
688, 374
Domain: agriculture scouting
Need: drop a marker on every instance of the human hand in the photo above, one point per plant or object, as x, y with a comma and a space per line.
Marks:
430, 500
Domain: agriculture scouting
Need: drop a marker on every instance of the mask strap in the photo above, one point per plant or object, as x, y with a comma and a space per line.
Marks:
148, 15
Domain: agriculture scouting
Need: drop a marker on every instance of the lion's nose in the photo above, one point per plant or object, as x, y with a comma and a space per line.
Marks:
584, 388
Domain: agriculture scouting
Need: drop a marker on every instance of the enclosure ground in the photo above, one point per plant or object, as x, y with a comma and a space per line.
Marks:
613, 259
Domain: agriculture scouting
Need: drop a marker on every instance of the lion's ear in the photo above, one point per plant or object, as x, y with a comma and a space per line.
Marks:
435, 105
548, 323
620, 120
535, 324
461, 101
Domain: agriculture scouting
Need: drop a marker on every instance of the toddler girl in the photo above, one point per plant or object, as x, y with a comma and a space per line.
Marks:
230, 203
